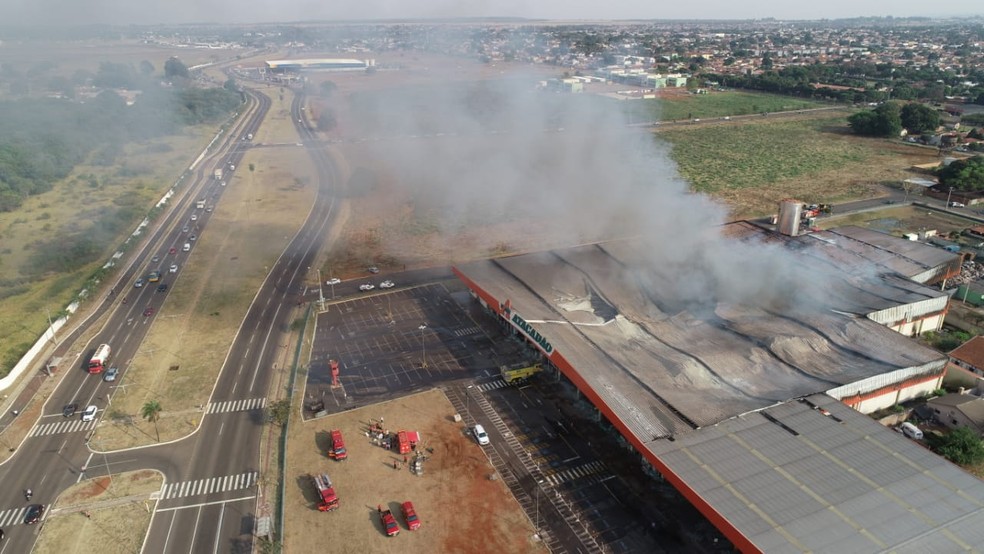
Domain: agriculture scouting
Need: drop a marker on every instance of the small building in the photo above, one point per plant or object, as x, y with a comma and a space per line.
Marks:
969, 355
958, 410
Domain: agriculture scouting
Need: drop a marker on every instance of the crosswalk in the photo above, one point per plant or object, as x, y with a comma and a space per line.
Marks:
493, 385
467, 331
14, 516
64, 426
573, 473
238, 481
235, 405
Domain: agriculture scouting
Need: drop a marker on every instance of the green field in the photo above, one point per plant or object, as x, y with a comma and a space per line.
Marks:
749, 155
716, 104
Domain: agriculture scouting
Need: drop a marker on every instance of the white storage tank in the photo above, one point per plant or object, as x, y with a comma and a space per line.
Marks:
790, 214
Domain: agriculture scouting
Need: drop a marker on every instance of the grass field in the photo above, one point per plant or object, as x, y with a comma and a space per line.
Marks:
715, 104
751, 165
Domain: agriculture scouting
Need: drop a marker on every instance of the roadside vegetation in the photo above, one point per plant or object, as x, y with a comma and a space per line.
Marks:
715, 104
77, 176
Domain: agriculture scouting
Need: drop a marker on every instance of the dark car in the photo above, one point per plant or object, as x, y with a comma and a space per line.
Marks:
162, 287
68, 410
34, 513
149, 311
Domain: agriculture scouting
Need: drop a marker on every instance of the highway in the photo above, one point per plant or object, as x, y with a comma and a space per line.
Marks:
210, 476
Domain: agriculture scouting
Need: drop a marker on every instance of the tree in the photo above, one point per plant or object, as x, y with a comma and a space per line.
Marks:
961, 446
279, 412
230, 85
883, 121
919, 118
964, 175
174, 68
151, 411
766, 62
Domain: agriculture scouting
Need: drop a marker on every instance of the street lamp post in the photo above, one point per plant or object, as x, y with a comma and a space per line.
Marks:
948, 197
321, 294
423, 351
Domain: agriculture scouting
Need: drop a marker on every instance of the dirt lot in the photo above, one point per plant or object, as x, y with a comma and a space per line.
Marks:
107, 515
460, 508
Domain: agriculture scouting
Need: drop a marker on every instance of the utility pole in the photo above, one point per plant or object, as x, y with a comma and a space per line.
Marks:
321, 295
423, 352
54, 339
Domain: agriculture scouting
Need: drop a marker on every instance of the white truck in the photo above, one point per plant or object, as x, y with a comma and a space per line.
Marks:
200, 204
218, 174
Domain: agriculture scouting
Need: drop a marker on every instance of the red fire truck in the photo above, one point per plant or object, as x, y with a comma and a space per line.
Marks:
337, 449
328, 499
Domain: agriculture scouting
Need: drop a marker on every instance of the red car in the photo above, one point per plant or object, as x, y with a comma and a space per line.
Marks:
410, 515
149, 311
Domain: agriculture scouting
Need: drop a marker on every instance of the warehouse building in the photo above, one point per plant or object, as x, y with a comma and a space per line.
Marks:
739, 408
318, 64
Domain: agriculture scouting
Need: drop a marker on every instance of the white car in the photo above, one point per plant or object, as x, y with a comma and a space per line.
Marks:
480, 435
194, 217
367, 286
387, 285
333, 281
174, 268
90, 413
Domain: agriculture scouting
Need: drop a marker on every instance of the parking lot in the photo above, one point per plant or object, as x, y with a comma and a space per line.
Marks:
580, 485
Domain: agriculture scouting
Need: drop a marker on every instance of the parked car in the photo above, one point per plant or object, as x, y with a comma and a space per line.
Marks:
34, 514
138, 283
366, 286
410, 516
480, 435
333, 281
68, 410
111, 374
957, 205
90, 413
389, 522
387, 285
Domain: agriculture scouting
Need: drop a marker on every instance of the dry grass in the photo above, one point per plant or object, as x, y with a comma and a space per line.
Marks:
460, 508
118, 515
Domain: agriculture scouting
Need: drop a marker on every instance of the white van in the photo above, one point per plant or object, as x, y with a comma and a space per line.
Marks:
911, 431
186, 247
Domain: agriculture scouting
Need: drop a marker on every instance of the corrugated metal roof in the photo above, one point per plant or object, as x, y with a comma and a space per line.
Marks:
838, 486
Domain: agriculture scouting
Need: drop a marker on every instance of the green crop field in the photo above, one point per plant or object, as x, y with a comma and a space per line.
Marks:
716, 104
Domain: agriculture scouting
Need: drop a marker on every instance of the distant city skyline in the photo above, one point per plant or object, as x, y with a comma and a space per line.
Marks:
69, 12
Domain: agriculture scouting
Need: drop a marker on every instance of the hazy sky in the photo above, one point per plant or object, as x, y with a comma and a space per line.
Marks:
251, 11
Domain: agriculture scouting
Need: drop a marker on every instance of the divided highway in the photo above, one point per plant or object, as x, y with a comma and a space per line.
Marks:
210, 499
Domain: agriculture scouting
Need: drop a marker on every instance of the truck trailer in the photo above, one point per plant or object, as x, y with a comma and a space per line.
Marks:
218, 174
97, 363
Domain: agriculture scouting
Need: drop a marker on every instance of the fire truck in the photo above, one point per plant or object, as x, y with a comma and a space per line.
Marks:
326, 493
390, 525
98, 360
337, 449
519, 373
